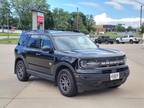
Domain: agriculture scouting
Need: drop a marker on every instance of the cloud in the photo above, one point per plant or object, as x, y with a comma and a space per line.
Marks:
90, 4
84, 4
119, 4
115, 5
70, 5
105, 19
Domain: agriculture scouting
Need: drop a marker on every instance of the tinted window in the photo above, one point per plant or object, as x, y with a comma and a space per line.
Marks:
131, 36
46, 41
23, 39
125, 36
34, 41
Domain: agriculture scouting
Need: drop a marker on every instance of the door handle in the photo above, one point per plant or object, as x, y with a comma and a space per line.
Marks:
38, 54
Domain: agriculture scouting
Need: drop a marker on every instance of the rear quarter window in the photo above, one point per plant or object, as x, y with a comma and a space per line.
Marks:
23, 39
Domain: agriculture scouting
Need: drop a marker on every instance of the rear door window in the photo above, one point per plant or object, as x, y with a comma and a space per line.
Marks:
46, 42
34, 42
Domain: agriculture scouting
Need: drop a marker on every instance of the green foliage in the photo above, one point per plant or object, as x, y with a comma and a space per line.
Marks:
20, 16
23, 10
90, 23
61, 19
49, 20
142, 29
5, 12
130, 28
120, 28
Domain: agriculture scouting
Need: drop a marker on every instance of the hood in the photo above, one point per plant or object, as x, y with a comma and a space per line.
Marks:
93, 53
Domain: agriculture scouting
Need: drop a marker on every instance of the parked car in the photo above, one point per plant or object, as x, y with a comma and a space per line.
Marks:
71, 60
128, 39
104, 39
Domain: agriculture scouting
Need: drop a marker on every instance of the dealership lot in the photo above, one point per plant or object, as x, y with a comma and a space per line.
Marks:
41, 93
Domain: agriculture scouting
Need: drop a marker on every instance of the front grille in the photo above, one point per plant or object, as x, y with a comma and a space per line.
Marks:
117, 70
109, 62
106, 71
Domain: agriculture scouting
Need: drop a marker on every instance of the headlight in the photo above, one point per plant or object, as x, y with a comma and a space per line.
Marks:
88, 63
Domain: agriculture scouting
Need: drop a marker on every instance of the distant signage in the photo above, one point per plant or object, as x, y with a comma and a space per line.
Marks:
37, 20
40, 18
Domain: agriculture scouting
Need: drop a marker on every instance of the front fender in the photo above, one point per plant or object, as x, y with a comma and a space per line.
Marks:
61, 64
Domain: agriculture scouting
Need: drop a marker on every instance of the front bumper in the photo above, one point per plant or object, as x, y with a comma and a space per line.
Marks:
100, 78
136, 41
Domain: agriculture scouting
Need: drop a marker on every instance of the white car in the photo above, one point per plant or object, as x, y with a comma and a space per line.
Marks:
127, 39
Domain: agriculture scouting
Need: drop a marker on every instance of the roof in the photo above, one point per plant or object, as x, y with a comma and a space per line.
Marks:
64, 33
54, 33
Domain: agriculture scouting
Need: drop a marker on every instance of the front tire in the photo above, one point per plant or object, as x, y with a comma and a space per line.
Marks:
66, 83
117, 41
21, 73
131, 41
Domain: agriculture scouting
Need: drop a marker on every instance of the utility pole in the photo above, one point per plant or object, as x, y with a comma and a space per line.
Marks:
141, 10
8, 25
141, 15
78, 19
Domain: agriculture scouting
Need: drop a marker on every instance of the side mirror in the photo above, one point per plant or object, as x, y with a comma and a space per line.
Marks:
46, 48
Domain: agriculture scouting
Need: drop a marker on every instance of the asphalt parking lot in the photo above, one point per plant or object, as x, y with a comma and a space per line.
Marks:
39, 93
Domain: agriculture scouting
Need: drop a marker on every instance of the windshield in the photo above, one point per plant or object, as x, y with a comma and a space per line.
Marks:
68, 43
131, 36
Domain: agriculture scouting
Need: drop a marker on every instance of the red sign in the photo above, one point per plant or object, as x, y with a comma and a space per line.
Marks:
40, 19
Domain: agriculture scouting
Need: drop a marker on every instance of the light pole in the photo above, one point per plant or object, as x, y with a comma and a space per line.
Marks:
141, 10
78, 19
8, 25
141, 15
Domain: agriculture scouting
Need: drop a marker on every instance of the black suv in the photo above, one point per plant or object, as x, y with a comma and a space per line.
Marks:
104, 39
69, 59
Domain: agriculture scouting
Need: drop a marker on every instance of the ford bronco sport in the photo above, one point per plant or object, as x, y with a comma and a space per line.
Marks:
69, 59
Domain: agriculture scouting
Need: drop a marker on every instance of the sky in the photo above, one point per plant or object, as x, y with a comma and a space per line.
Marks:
126, 12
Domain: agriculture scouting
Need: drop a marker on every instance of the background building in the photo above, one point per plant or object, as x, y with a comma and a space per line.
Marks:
101, 29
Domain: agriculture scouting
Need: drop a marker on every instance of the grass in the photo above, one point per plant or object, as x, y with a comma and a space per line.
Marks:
8, 41
112, 34
10, 34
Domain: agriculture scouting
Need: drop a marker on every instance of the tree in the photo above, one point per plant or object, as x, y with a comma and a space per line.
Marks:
5, 12
130, 28
120, 28
49, 20
23, 10
61, 19
142, 29
19, 14
81, 20
90, 23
